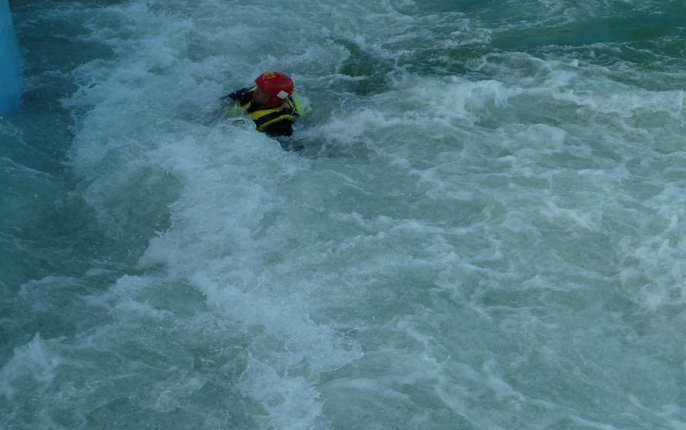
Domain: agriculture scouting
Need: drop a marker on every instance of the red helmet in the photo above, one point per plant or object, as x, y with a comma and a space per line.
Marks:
277, 85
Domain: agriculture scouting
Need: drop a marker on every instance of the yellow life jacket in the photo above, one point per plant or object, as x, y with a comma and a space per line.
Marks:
263, 118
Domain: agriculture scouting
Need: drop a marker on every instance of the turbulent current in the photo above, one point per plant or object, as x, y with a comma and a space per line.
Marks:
485, 229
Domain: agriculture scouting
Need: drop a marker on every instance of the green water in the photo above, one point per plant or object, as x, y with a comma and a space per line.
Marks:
484, 230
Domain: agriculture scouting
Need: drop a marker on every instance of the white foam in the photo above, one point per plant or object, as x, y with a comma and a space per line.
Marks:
33, 363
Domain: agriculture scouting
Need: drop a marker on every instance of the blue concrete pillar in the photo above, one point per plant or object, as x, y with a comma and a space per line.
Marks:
10, 63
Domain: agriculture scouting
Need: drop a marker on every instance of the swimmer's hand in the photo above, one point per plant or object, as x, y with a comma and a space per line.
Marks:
241, 96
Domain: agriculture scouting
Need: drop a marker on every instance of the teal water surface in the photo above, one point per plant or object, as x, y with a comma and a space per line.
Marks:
485, 229
10, 63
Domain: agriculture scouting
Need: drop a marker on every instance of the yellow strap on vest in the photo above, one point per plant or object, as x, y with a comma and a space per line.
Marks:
260, 113
281, 118
234, 111
301, 105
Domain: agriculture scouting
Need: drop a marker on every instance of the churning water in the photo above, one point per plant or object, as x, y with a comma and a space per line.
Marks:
485, 230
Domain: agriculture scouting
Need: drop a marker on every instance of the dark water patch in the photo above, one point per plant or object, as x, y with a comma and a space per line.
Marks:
609, 30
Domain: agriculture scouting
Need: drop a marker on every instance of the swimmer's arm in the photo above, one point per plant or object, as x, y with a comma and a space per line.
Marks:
242, 96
